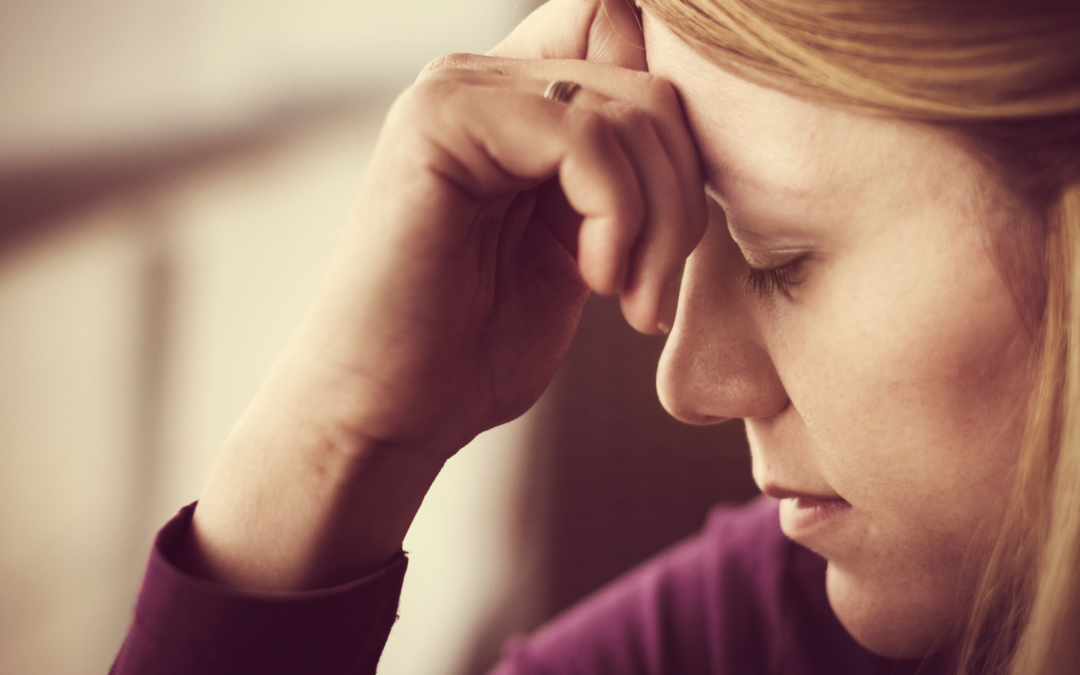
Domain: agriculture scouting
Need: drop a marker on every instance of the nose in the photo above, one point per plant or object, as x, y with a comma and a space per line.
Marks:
715, 365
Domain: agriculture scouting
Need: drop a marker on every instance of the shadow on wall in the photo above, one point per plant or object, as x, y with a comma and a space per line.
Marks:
36, 198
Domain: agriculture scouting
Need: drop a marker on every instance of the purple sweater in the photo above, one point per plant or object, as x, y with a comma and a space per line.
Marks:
737, 598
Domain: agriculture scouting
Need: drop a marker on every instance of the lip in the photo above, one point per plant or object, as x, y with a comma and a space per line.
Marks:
803, 515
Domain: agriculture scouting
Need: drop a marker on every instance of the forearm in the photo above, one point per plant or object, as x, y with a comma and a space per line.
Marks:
299, 498
450, 303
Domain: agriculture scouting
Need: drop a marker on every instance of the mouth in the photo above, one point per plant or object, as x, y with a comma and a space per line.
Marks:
806, 515
803, 515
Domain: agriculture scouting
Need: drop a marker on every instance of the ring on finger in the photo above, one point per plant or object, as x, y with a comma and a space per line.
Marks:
561, 90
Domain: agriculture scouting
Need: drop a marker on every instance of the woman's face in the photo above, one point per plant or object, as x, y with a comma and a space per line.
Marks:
881, 369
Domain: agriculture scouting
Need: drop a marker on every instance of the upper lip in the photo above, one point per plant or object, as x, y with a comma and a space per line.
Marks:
777, 492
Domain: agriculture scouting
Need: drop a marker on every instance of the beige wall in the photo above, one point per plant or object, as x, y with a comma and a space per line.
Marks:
84, 482
134, 332
91, 75
67, 317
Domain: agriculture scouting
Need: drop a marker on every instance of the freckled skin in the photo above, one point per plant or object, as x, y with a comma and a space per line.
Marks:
895, 375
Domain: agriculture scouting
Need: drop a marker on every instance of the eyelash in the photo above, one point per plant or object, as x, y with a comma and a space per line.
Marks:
768, 282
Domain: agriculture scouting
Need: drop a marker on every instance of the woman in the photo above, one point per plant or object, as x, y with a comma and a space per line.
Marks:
880, 283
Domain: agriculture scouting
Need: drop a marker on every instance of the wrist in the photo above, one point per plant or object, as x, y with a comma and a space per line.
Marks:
299, 498
371, 391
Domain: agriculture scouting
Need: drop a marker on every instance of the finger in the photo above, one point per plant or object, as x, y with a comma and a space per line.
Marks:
653, 94
678, 204
558, 29
612, 222
603, 31
660, 100
650, 265
656, 256
616, 36
680, 150
494, 135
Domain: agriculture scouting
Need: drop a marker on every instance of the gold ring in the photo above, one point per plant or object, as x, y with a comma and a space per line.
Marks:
562, 90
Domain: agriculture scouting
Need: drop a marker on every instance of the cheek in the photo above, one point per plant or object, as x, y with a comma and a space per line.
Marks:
911, 390
913, 382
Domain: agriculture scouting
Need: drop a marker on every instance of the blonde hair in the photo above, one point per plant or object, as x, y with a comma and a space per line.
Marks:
1005, 75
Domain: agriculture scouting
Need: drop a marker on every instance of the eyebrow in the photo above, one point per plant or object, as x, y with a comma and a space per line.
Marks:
712, 177
773, 242
777, 236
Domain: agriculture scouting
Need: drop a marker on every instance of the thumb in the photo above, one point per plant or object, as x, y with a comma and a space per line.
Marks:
605, 31
615, 36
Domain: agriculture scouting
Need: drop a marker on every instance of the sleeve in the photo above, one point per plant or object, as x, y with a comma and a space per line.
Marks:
703, 607
737, 598
185, 625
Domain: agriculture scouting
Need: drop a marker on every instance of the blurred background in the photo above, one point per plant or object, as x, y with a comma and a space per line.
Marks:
172, 178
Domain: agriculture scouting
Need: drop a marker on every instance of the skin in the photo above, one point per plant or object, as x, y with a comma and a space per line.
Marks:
486, 216
891, 377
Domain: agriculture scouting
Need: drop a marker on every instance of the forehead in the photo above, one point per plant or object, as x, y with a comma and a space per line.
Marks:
757, 142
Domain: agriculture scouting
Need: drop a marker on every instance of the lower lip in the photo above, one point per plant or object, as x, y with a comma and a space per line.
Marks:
802, 515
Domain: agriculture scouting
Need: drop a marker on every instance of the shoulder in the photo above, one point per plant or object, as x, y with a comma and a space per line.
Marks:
708, 605
745, 542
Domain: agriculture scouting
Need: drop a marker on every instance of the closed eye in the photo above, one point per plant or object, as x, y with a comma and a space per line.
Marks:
770, 282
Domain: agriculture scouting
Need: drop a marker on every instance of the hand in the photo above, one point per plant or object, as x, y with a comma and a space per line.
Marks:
456, 290
487, 214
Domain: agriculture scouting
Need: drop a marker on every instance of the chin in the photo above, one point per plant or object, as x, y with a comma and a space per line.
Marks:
895, 621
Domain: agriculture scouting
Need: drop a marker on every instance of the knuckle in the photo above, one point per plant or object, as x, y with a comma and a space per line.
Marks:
659, 94
632, 117
588, 123
449, 62
650, 91
419, 100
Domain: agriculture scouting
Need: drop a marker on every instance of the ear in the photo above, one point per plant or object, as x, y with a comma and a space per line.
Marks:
604, 31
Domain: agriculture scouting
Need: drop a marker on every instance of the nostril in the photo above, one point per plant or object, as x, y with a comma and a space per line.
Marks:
710, 419
701, 420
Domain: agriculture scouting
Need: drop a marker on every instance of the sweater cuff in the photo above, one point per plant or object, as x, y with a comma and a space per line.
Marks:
184, 624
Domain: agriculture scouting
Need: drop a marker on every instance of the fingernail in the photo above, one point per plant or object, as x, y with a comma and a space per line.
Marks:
669, 303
